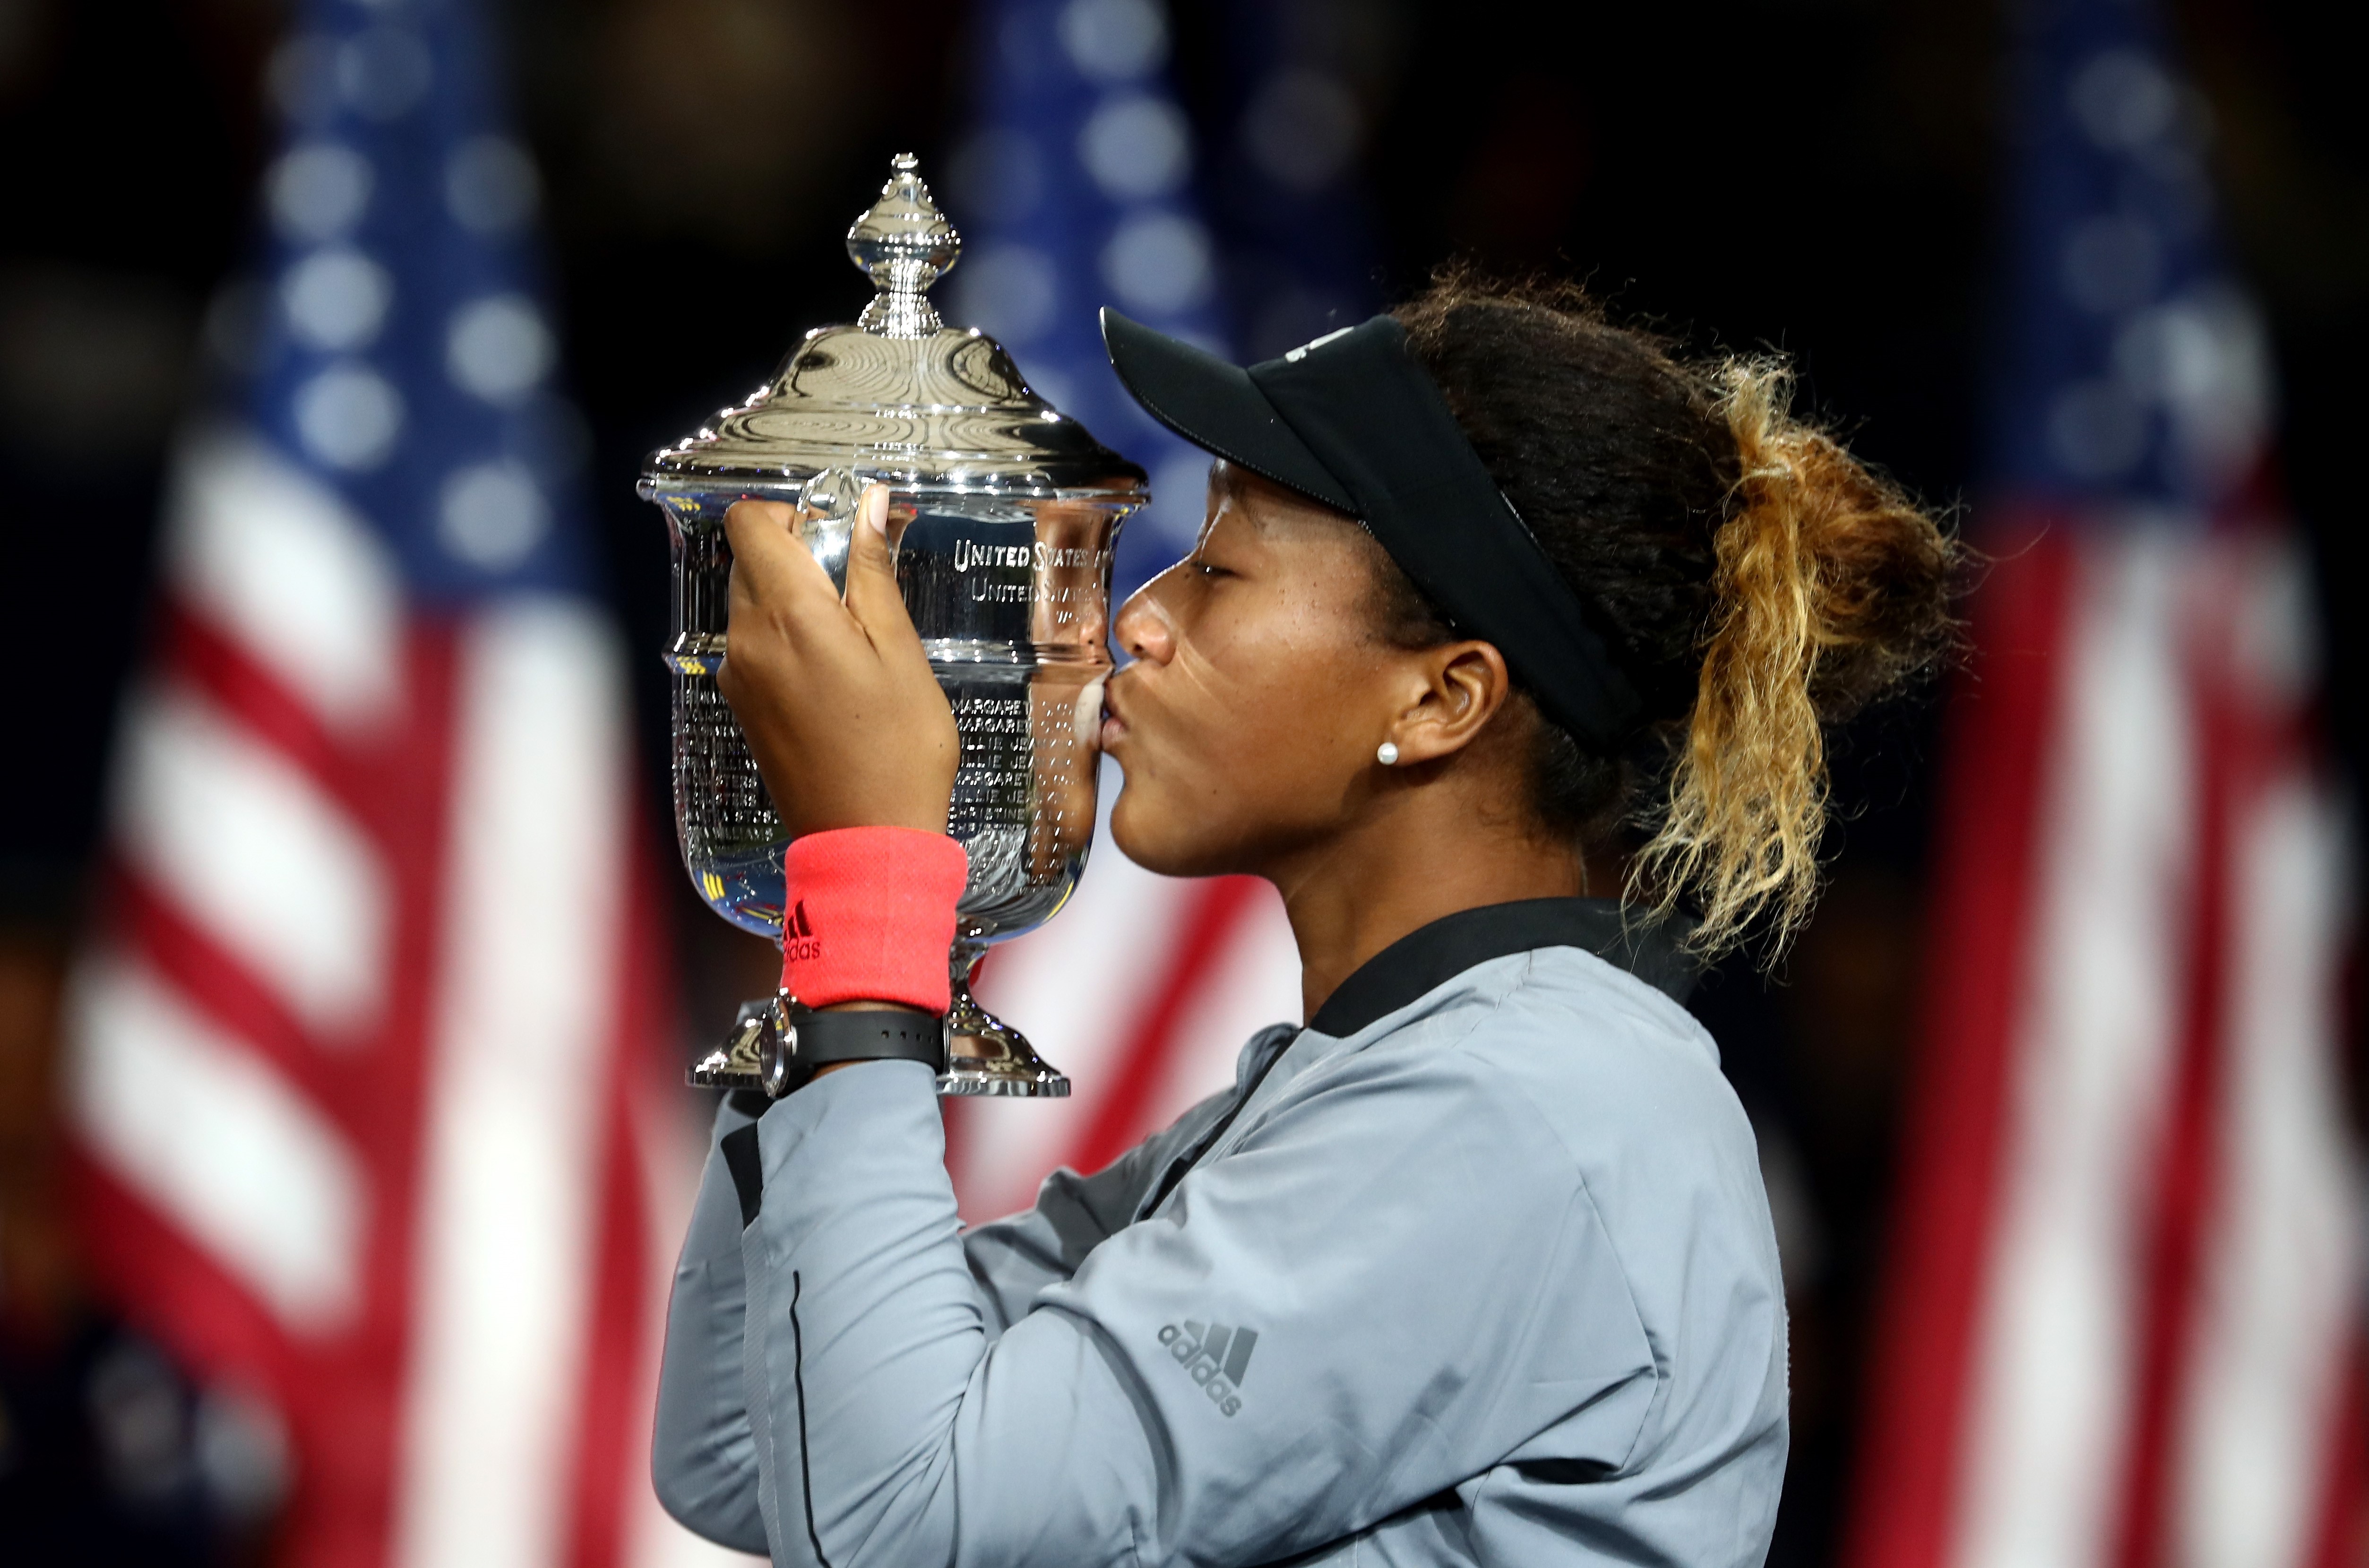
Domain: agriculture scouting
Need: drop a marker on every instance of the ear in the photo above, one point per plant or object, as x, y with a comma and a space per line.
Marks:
1463, 685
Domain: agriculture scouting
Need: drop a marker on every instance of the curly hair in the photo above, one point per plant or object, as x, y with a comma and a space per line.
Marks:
1754, 579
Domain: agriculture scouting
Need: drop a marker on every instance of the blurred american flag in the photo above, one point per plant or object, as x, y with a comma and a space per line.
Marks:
363, 1068
2123, 1323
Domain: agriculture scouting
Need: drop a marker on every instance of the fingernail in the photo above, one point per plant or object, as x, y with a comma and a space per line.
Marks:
875, 511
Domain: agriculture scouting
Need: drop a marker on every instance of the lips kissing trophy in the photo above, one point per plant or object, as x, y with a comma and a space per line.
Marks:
1002, 513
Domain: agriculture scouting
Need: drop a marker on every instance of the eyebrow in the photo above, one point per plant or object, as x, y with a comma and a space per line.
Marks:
1293, 511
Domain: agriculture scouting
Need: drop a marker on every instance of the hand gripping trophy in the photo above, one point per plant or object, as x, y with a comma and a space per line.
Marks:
1002, 512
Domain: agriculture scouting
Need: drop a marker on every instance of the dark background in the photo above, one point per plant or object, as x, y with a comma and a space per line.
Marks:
1816, 176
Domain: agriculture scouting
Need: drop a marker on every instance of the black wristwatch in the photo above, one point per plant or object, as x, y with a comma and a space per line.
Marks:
798, 1040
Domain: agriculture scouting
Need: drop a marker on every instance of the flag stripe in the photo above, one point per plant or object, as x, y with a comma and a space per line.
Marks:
2095, 1032
1252, 985
2340, 1523
1953, 1129
346, 1401
2261, 1411
291, 573
519, 1068
220, 1143
207, 659
258, 855
2183, 1190
1207, 922
613, 1432
601, 1469
213, 982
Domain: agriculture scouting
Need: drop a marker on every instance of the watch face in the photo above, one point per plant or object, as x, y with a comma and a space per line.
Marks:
780, 1054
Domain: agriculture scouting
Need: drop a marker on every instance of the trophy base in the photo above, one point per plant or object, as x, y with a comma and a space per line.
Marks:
985, 1055
737, 1063
997, 1060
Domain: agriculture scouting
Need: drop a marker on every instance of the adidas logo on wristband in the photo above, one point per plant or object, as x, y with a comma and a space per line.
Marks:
799, 944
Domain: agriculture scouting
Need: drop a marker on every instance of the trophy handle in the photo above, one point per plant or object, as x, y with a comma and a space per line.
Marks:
985, 1055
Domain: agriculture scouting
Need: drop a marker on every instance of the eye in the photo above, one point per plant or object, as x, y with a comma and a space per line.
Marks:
1208, 570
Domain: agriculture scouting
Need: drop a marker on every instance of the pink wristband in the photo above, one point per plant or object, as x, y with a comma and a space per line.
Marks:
871, 916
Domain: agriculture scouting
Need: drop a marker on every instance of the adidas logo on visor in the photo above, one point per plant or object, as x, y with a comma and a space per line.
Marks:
1215, 1356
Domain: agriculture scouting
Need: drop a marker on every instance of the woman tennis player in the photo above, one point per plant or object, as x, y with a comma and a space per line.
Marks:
1503, 653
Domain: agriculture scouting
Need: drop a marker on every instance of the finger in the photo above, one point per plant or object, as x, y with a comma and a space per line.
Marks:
873, 596
772, 571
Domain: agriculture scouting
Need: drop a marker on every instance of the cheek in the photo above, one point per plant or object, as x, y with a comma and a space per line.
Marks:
1255, 711
1261, 683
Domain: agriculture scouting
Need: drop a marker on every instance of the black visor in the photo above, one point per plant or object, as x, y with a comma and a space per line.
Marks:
1353, 421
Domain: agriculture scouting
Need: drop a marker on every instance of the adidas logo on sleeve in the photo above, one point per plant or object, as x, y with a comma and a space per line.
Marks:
1215, 1356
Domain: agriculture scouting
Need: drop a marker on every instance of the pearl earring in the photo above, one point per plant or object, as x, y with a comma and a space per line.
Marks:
1387, 753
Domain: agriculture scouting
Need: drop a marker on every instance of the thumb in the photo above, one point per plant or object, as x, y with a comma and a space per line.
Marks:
873, 596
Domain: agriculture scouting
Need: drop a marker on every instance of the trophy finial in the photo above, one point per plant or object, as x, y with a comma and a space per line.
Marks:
904, 244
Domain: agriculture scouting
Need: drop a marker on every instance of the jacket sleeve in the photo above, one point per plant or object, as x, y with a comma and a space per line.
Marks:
1014, 1258
704, 1459
1374, 1294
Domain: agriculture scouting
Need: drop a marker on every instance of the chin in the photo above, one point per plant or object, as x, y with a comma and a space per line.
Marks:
1135, 830
1156, 837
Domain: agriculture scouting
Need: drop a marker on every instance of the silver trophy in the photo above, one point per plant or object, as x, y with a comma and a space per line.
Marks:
1003, 513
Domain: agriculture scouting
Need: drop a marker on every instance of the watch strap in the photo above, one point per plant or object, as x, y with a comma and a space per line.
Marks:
803, 1041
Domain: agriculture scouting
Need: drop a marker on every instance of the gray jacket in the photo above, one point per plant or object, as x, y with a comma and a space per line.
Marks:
1476, 1268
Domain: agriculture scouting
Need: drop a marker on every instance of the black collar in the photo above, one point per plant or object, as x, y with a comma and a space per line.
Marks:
1437, 953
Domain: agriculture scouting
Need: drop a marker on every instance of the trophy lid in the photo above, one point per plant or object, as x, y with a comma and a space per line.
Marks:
899, 395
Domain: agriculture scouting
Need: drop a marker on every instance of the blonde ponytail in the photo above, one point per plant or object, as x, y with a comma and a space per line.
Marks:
1825, 594
1757, 582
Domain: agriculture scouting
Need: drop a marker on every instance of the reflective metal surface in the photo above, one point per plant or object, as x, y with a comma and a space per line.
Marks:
1003, 511
760, 1052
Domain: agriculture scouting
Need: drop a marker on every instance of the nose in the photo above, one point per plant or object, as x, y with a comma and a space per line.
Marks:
1143, 629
